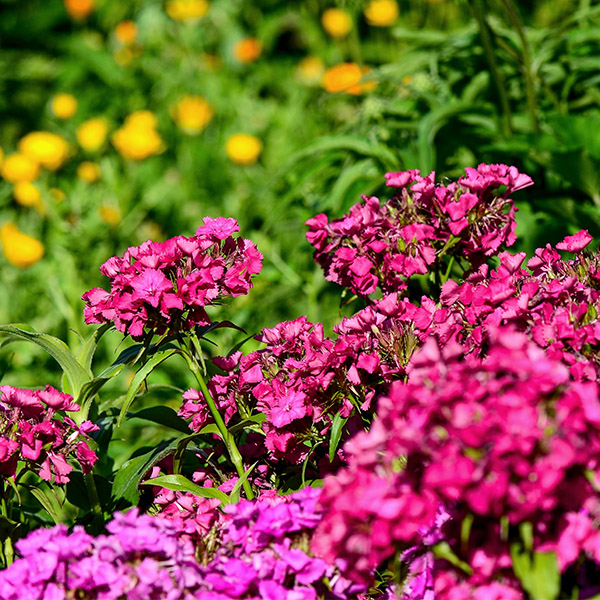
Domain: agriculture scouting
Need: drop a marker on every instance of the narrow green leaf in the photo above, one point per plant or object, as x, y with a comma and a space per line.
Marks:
75, 373
234, 497
336, 433
86, 354
178, 483
537, 572
128, 477
162, 415
139, 379
49, 501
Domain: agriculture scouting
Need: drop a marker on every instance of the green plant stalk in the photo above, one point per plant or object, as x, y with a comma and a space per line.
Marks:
98, 520
232, 449
517, 23
486, 42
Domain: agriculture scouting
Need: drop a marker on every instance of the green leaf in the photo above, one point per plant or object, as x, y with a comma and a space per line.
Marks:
540, 577
49, 501
178, 483
128, 477
86, 354
235, 492
75, 373
139, 379
336, 433
162, 415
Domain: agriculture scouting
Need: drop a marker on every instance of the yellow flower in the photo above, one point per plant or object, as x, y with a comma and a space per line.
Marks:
64, 106
192, 114
126, 32
138, 138
27, 194
186, 10
92, 133
243, 149
381, 13
247, 50
346, 77
310, 70
110, 215
142, 118
20, 249
48, 149
336, 22
79, 9
88, 171
18, 167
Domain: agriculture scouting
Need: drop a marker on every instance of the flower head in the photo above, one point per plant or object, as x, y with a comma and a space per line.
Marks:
63, 106
247, 50
381, 13
92, 133
192, 114
336, 22
243, 149
347, 78
45, 148
20, 249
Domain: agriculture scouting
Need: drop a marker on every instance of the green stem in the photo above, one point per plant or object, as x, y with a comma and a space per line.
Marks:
488, 49
232, 449
98, 520
517, 23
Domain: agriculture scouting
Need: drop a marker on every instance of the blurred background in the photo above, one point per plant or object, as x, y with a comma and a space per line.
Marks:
131, 120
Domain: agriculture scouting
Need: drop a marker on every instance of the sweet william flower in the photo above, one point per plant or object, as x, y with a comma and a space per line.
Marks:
575, 243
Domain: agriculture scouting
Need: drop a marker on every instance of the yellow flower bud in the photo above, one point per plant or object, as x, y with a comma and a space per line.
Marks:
18, 167
192, 114
381, 13
92, 133
63, 106
47, 149
20, 249
27, 194
88, 171
243, 149
336, 22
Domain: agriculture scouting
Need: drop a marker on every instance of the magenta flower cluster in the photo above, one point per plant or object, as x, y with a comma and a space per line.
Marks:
165, 286
383, 244
141, 558
509, 436
36, 436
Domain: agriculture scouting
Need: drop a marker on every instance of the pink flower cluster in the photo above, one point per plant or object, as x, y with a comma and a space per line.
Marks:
382, 244
509, 436
33, 433
165, 286
301, 379
140, 558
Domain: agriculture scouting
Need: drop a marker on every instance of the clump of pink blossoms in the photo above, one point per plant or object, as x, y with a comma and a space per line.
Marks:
33, 433
165, 286
383, 244
509, 438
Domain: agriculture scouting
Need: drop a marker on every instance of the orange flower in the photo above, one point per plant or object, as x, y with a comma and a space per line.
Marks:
336, 22
346, 77
381, 13
247, 50
79, 9
192, 114
126, 32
